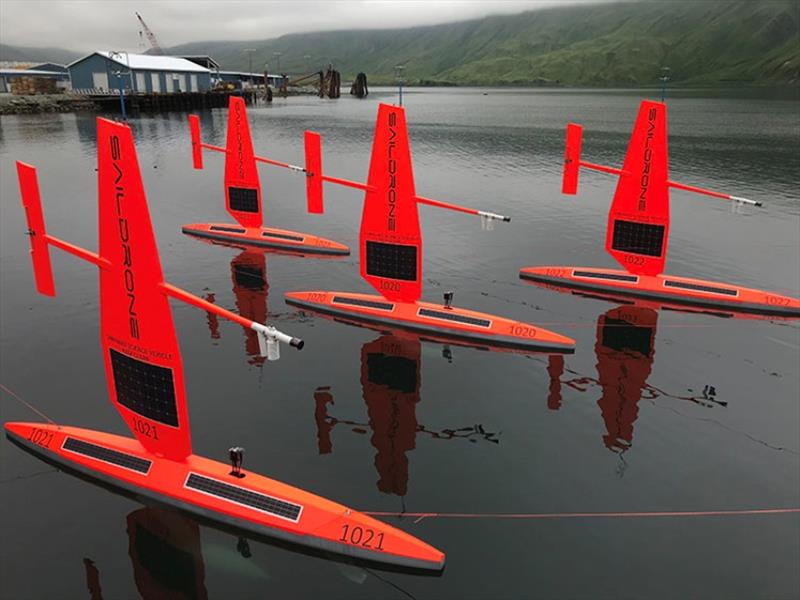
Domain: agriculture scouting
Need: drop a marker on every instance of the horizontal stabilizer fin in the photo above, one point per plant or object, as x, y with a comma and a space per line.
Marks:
572, 159
197, 144
313, 149
40, 253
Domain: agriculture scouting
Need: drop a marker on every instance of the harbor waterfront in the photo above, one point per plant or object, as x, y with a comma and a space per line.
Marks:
656, 411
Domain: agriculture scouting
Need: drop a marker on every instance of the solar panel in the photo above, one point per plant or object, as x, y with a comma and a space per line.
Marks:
609, 276
450, 316
638, 238
393, 261
227, 229
144, 388
243, 199
233, 493
621, 335
120, 459
364, 303
395, 372
700, 288
282, 236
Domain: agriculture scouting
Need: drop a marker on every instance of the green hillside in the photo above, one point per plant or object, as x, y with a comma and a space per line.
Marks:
703, 42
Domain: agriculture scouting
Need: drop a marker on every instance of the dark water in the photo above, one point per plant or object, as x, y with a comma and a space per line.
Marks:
676, 412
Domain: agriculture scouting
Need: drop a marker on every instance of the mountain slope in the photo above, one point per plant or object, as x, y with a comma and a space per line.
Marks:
605, 44
26, 54
703, 42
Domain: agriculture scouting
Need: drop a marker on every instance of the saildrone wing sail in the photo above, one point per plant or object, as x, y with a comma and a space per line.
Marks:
391, 242
242, 187
638, 222
141, 354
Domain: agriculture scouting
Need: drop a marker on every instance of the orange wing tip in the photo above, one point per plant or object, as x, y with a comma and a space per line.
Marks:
40, 252
572, 159
313, 149
197, 148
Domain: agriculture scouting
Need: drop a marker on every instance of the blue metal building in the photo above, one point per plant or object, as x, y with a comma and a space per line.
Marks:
142, 73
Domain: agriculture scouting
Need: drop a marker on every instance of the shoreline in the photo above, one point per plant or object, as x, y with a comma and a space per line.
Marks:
68, 103
45, 103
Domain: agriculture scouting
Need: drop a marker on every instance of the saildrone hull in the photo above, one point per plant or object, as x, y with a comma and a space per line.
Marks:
206, 488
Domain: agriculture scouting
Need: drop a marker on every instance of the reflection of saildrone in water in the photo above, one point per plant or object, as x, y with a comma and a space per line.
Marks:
625, 350
390, 383
250, 288
166, 554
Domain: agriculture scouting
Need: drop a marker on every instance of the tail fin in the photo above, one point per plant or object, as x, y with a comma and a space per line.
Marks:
391, 242
143, 362
638, 222
197, 147
40, 253
572, 159
313, 146
242, 187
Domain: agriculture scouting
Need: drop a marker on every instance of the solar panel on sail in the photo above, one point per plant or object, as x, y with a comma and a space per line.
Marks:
394, 261
146, 389
638, 238
243, 199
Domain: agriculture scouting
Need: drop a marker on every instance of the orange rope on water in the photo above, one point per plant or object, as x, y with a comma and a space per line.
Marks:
28, 404
419, 516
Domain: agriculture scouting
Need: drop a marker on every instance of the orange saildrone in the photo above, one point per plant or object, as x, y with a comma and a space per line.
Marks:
144, 373
391, 252
243, 193
638, 229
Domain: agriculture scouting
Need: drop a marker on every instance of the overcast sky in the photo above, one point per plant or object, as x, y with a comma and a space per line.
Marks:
99, 24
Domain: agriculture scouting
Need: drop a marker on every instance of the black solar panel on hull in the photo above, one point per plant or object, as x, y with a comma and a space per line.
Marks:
700, 288
449, 316
609, 276
146, 389
134, 463
226, 229
234, 493
364, 303
638, 238
393, 261
282, 236
243, 199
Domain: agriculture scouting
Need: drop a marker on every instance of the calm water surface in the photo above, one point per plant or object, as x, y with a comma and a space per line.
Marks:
678, 412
